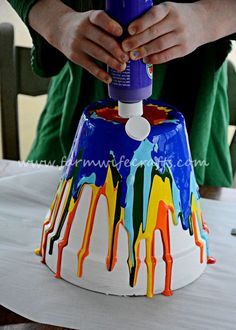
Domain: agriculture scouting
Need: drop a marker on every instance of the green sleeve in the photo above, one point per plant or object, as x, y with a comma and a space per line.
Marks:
22, 7
46, 60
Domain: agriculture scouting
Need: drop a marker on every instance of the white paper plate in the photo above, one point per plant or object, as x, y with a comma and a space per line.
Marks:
29, 288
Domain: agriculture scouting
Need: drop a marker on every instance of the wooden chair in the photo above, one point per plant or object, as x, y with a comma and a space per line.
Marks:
16, 77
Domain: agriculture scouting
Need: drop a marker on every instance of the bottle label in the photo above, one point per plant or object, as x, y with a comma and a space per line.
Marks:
135, 83
136, 75
149, 68
126, 11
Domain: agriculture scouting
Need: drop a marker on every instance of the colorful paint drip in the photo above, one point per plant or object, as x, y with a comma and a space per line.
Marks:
144, 183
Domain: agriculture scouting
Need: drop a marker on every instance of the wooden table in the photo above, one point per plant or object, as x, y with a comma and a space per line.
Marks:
10, 320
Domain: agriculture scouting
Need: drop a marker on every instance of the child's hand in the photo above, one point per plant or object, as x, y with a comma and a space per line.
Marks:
168, 31
87, 36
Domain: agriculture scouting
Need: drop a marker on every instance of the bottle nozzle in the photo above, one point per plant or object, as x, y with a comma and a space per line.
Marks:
128, 110
137, 127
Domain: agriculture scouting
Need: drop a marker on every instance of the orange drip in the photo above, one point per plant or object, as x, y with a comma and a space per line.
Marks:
163, 226
46, 222
159, 215
54, 212
138, 264
198, 242
84, 251
113, 250
65, 239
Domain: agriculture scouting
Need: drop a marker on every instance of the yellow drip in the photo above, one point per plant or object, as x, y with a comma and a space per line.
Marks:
111, 197
196, 215
161, 191
37, 252
159, 205
88, 229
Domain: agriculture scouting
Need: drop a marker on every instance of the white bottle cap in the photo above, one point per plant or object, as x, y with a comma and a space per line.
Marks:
128, 110
138, 128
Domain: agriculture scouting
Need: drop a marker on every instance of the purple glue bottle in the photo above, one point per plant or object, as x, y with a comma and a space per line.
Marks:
133, 85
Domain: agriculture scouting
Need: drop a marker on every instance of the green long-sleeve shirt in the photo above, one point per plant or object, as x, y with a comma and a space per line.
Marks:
196, 84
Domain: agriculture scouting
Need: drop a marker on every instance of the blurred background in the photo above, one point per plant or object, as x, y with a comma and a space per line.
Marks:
31, 107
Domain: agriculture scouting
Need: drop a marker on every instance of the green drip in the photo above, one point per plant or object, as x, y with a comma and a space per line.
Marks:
116, 178
190, 220
137, 213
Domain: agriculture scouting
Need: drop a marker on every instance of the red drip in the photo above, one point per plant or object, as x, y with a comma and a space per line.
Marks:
211, 260
110, 114
151, 112
167, 293
155, 115
204, 225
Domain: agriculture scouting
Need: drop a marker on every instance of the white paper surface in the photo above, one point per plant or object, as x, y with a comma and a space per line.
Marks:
29, 288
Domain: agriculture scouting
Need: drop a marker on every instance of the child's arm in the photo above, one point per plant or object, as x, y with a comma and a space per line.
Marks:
82, 37
171, 30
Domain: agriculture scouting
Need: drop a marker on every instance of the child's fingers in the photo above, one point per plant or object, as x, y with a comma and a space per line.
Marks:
105, 22
107, 42
153, 16
166, 55
101, 55
158, 45
155, 31
88, 64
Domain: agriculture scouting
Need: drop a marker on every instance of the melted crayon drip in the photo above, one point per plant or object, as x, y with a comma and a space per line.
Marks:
152, 199
211, 260
159, 206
